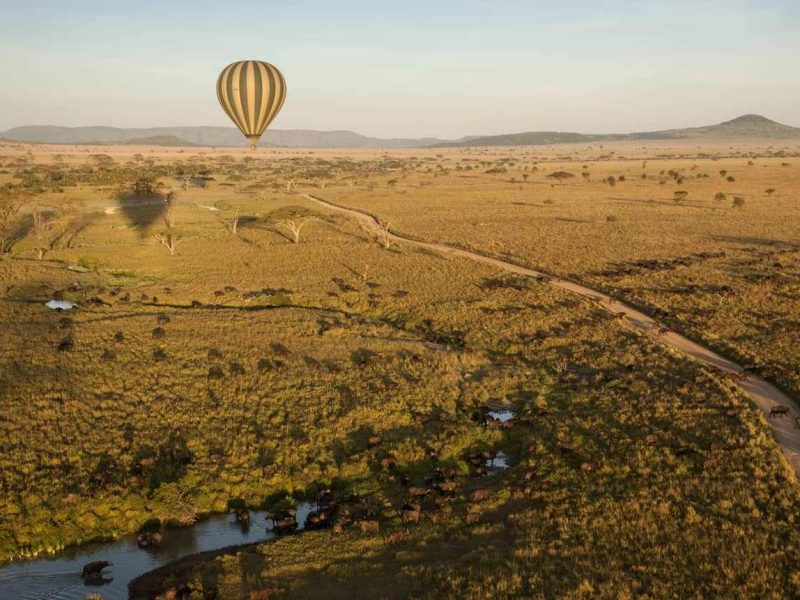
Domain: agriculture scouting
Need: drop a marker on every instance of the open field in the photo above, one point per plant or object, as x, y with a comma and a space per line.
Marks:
249, 367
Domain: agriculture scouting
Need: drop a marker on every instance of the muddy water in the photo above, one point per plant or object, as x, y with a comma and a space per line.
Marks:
58, 577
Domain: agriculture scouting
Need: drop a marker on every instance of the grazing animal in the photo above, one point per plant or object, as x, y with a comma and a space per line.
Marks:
321, 518
410, 513
368, 526
778, 411
285, 525
479, 495
446, 487
94, 568
418, 492
479, 458
797, 422
149, 539
397, 537
313, 521
324, 498
492, 423
242, 515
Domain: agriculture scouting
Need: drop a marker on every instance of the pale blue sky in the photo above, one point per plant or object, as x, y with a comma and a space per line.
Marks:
443, 68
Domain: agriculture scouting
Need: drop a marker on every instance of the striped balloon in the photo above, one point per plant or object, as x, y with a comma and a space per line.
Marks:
251, 93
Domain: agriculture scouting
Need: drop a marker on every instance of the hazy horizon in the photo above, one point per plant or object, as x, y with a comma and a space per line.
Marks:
417, 70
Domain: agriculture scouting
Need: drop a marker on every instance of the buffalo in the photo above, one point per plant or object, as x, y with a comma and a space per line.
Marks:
95, 568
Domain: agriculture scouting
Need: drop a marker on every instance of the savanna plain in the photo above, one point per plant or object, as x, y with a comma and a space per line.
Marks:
461, 431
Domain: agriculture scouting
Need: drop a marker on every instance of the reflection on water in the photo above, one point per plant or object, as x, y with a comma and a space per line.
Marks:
501, 415
498, 462
58, 577
59, 305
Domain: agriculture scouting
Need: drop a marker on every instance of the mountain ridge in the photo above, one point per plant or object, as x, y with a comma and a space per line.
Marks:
749, 126
207, 136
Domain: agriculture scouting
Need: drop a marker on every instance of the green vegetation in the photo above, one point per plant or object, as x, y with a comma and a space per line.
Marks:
252, 363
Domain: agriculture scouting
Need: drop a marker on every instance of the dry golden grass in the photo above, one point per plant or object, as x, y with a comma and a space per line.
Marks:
646, 474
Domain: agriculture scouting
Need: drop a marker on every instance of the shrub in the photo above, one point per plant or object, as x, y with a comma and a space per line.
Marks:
560, 175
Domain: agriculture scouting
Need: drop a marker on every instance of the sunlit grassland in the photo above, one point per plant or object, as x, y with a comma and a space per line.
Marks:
248, 366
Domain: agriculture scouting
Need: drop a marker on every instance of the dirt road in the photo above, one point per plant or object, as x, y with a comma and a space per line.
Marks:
764, 394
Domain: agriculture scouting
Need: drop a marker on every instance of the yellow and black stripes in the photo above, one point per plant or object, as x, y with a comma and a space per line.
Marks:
251, 93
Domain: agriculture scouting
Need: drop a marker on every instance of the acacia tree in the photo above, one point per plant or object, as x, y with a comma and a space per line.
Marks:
9, 208
235, 215
42, 226
561, 175
294, 225
384, 232
169, 239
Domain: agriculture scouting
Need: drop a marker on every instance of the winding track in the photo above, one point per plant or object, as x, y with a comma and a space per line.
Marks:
763, 393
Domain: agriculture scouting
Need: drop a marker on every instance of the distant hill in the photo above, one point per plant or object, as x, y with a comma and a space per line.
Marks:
744, 127
159, 140
747, 126
206, 136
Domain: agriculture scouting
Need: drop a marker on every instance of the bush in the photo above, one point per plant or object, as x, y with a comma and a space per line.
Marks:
560, 175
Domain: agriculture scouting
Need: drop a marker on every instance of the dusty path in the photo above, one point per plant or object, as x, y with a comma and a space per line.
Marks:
764, 394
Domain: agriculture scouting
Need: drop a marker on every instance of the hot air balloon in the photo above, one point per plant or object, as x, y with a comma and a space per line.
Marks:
251, 93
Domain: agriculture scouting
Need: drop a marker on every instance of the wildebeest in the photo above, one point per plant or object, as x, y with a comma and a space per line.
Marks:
322, 517
324, 498
478, 458
149, 539
410, 513
368, 525
94, 568
285, 525
479, 495
797, 422
479, 471
242, 514
418, 491
472, 517
778, 411
388, 462
446, 488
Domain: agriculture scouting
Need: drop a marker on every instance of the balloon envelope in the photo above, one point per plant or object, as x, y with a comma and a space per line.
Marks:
251, 93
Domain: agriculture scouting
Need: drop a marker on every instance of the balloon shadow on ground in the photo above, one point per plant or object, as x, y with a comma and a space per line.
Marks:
142, 211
